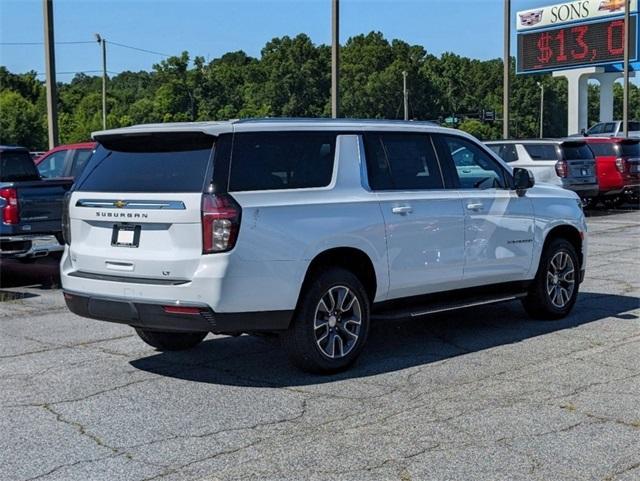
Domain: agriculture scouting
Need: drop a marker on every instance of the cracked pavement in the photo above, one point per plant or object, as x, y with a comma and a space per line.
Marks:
478, 394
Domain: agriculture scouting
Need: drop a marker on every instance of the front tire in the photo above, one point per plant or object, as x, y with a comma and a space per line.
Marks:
171, 341
331, 323
555, 288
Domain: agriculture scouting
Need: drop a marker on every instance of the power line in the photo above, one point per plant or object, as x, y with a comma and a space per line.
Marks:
42, 43
153, 52
80, 71
138, 49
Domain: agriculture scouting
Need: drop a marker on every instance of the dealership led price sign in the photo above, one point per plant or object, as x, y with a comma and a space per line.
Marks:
594, 43
575, 34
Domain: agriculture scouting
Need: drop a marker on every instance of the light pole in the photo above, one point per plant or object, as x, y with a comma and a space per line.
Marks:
541, 107
335, 58
506, 66
103, 43
625, 93
50, 68
405, 94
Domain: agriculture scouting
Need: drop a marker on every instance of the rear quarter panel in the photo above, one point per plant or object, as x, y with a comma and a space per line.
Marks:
282, 231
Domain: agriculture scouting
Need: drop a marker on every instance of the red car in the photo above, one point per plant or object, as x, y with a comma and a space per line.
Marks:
65, 160
618, 168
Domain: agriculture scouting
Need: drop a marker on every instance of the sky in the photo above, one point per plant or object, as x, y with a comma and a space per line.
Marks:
471, 28
210, 28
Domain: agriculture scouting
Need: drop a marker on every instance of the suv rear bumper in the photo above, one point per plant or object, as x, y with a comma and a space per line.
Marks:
585, 191
151, 315
631, 189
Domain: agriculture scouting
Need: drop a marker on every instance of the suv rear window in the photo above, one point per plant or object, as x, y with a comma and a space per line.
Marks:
281, 160
603, 148
541, 151
148, 163
576, 151
630, 149
17, 167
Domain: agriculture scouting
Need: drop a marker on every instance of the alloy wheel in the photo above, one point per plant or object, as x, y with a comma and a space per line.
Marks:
561, 279
337, 322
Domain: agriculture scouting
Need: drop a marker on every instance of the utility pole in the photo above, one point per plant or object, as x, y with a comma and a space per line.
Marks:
541, 107
506, 69
405, 94
625, 93
103, 43
50, 69
335, 58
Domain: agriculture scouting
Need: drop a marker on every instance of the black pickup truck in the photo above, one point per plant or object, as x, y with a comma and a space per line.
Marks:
30, 207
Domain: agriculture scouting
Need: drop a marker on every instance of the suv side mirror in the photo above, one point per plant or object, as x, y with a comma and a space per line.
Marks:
522, 180
584, 132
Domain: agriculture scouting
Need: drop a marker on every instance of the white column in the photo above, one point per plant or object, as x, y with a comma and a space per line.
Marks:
606, 81
577, 104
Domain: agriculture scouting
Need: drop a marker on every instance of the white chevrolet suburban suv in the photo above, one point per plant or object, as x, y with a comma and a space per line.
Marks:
309, 229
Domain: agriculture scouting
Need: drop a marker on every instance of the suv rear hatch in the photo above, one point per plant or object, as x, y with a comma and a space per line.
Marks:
629, 163
577, 163
136, 210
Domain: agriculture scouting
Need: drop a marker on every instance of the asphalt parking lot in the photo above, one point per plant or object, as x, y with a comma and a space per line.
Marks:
484, 394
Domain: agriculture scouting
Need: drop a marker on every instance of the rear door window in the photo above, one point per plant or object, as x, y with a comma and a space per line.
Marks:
576, 151
634, 126
402, 162
541, 151
148, 163
17, 167
506, 152
281, 160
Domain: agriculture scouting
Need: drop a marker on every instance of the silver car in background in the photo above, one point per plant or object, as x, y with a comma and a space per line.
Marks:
568, 163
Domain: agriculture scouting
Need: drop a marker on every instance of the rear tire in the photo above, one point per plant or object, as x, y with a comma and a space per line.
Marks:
331, 323
555, 288
171, 341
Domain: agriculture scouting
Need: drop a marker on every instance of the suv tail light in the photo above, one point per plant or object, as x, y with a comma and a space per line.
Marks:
562, 168
620, 164
66, 225
220, 223
10, 210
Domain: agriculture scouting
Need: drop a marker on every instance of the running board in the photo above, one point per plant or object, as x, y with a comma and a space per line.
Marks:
438, 307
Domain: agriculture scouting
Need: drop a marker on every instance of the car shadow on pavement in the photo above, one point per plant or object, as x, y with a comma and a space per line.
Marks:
392, 345
41, 273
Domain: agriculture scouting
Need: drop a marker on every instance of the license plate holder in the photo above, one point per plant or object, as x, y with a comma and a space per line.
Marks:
126, 235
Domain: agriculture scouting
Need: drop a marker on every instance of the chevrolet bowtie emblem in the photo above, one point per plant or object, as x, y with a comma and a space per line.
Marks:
119, 204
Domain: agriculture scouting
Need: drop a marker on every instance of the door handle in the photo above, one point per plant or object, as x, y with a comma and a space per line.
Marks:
402, 209
475, 206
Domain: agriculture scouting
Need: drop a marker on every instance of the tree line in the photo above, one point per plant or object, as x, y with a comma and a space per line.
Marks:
292, 79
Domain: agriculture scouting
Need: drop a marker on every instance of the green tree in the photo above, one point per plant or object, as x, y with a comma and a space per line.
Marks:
20, 121
478, 129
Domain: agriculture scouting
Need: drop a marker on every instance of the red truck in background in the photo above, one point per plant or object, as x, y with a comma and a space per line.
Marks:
618, 168
65, 160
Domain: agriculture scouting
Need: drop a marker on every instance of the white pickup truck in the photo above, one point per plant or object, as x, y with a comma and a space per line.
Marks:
309, 229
